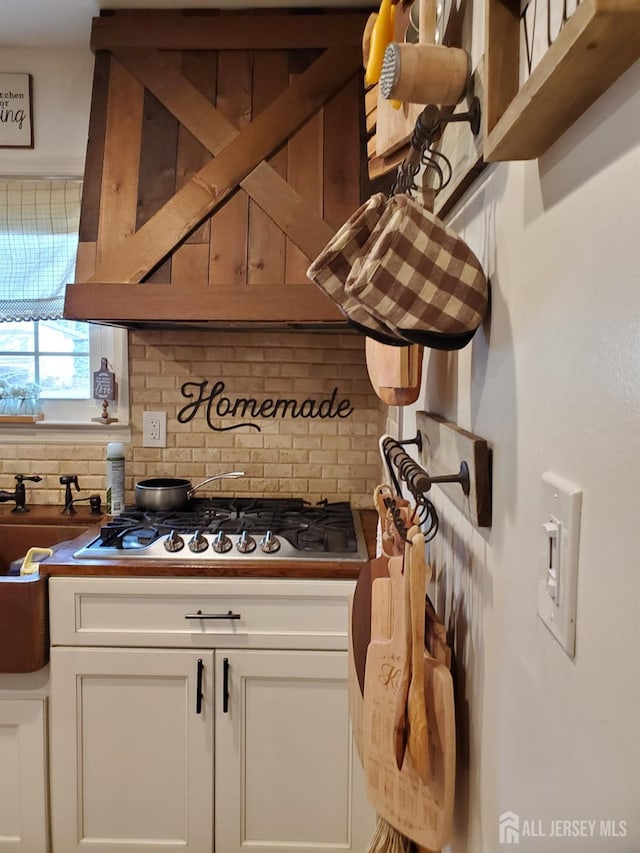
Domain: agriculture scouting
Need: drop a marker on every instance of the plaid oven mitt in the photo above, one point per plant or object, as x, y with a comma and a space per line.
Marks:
400, 275
333, 265
421, 277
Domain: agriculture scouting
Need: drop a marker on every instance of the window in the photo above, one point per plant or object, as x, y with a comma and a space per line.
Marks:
60, 357
38, 243
52, 354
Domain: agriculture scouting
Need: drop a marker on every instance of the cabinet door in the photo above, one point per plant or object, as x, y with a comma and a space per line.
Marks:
131, 756
23, 793
287, 775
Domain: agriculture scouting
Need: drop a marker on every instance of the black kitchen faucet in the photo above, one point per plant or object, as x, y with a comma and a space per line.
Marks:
19, 494
69, 480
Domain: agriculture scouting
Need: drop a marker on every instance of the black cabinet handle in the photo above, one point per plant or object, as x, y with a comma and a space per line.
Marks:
200, 615
225, 685
199, 686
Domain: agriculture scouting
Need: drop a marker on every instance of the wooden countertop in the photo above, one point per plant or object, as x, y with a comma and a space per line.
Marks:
62, 563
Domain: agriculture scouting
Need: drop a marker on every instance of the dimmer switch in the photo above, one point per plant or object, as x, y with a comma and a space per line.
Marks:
558, 573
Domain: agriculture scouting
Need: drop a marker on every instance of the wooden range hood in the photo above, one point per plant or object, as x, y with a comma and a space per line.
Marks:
224, 151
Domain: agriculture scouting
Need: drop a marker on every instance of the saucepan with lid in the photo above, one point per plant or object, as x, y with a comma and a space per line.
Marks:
165, 493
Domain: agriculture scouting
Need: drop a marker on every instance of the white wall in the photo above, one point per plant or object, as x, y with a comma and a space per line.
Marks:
553, 383
61, 97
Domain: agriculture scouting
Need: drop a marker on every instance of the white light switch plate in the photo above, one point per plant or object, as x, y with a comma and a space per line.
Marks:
558, 573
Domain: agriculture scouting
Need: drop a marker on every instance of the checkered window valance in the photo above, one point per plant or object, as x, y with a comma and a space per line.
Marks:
39, 222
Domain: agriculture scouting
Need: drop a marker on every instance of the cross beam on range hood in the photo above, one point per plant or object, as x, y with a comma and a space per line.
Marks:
170, 234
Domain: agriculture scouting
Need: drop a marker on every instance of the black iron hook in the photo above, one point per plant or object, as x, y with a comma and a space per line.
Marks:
427, 128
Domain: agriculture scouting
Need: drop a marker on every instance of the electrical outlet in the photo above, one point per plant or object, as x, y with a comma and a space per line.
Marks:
154, 429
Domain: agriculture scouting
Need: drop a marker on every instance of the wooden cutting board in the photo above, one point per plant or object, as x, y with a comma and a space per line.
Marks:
361, 613
360, 609
363, 606
354, 694
420, 811
395, 372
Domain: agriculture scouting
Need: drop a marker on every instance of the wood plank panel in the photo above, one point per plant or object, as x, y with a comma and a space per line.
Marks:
157, 179
200, 68
260, 31
304, 174
189, 263
265, 259
216, 180
118, 195
262, 302
85, 261
188, 104
92, 179
212, 128
290, 211
228, 244
445, 447
341, 162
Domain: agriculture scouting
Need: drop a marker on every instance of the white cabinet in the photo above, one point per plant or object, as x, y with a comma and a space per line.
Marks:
134, 754
23, 777
130, 751
286, 772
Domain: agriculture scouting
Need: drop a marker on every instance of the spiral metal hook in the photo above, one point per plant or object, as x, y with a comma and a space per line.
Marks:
422, 153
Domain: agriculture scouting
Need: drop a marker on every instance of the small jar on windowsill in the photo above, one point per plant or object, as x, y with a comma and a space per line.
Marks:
20, 403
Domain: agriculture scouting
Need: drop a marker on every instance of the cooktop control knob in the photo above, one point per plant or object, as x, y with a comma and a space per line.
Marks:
198, 542
174, 542
269, 543
246, 544
221, 543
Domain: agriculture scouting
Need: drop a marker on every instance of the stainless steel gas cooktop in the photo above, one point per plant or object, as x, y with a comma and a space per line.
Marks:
235, 529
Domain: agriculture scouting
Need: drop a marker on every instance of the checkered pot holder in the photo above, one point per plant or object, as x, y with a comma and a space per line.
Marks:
396, 267
332, 267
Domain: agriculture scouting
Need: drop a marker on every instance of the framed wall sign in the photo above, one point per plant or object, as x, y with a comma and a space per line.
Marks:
16, 118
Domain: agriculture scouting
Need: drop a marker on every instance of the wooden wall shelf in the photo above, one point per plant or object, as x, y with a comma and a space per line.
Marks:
597, 44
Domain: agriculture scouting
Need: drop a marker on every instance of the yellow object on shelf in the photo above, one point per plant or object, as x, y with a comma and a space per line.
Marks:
381, 36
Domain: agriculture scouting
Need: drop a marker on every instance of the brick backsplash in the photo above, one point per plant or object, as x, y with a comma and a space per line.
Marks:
334, 458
